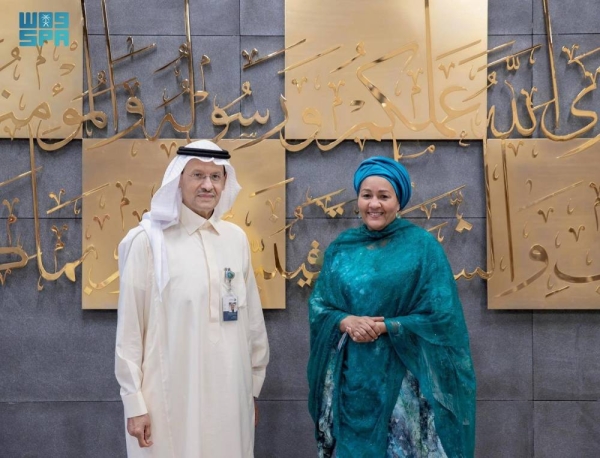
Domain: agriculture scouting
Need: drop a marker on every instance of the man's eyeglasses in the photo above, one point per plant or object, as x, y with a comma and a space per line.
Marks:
199, 177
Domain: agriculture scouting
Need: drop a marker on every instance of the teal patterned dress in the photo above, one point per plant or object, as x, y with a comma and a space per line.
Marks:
411, 393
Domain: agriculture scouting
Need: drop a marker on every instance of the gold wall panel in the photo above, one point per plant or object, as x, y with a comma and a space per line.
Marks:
544, 233
411, 68
123, 176
41, 68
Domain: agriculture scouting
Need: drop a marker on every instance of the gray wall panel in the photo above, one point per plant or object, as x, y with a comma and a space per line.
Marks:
501, 348
156, 17
266, 84
500, 340
566, 355
570, 82
60, 169
260, 17
223, 51
509, 17
566, 429
53, 350
504, 429
285, 430
579, 16
62, 430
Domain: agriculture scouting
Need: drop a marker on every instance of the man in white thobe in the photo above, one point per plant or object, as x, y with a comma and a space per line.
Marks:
188, 367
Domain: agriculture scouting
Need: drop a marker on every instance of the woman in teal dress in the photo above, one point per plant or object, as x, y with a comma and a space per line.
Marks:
390, 370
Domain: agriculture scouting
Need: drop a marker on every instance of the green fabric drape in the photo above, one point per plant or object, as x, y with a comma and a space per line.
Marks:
402, 274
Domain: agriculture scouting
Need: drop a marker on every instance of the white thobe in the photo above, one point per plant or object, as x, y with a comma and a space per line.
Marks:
176, 359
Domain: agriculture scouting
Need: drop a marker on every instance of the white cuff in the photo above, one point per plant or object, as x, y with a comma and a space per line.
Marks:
257, 383
134, 405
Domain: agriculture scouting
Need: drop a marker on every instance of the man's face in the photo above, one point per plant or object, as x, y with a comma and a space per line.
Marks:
201, 185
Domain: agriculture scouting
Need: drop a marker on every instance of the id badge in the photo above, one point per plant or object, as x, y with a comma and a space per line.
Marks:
230, 307
230, 302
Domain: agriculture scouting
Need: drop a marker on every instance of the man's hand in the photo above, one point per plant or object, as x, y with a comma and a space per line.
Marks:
139, 427
255, 413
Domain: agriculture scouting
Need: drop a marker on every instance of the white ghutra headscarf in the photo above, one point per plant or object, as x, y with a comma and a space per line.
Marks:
165, 208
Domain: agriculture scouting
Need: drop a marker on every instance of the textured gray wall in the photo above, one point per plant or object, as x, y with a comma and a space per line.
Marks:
538, 372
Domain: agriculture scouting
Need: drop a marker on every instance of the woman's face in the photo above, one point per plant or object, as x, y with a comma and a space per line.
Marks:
377, 202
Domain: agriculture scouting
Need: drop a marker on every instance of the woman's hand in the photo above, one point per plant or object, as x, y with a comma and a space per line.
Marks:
381, 327
363, 329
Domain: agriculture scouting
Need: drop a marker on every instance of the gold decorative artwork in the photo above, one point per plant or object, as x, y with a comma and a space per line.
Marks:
353, 71
544, 233
120, 180
388, 69
41, 69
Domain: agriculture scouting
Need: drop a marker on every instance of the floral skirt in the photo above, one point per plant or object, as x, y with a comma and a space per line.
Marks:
411, 431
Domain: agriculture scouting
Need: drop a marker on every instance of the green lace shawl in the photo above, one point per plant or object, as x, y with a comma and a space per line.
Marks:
402, 274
